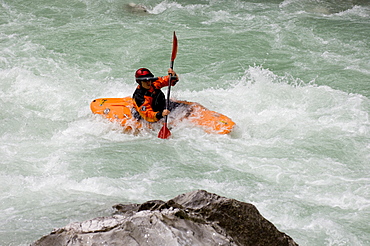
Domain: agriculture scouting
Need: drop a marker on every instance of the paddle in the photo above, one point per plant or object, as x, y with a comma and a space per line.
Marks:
165, 133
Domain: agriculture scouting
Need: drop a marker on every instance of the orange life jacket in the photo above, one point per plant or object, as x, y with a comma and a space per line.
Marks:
150, 103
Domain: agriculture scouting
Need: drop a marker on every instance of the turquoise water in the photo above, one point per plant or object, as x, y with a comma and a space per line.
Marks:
294, 75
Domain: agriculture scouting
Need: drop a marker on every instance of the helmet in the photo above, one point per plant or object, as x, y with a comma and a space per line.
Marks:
143, 73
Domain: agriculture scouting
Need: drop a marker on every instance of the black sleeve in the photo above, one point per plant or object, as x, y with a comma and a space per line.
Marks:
138, 97
159, 115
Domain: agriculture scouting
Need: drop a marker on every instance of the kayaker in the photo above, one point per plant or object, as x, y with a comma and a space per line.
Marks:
149, 100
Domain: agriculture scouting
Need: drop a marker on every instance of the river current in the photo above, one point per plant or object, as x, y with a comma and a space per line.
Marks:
294, 76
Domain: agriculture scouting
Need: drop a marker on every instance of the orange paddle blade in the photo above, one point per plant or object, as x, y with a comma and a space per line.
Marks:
164, 133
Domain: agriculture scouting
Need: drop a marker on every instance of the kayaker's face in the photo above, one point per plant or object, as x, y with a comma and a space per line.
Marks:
146, 84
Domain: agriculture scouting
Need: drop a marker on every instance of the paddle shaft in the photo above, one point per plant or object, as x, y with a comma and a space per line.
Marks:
165, 133
169, 91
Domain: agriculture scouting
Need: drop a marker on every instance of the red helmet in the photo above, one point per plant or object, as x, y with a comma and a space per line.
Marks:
143, 72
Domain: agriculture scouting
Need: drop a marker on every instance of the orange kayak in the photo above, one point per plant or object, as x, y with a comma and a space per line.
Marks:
120, 110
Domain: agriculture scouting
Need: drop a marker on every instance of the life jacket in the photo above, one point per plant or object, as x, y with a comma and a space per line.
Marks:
150, 103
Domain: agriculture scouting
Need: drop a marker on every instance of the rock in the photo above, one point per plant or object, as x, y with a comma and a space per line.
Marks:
136, 8
195, 218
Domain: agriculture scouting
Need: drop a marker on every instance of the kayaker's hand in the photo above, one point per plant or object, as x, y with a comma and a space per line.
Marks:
173, 74
170, 71
165, 112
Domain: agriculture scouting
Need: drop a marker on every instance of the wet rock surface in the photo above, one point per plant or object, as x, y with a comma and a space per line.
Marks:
194, 218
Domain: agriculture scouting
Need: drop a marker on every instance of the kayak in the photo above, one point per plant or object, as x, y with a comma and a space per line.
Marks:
121, 110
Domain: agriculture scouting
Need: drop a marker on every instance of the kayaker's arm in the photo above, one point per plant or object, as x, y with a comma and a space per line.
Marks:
164, 81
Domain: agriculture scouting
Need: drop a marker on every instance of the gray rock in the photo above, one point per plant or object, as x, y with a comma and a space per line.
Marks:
136, 8
195, 218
